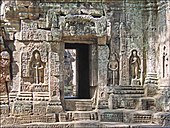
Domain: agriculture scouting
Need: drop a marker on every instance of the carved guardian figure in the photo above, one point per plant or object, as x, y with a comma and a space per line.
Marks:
37, 68
134, 66
4, 71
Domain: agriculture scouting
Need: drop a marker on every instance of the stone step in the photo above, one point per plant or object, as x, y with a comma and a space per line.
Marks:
128, 88
78, 104
128, 92
78, 116
126, 95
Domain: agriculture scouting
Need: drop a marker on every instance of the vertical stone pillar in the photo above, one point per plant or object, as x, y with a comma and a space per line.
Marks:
103, 55
151, 56
56, 98
124, 70
151, 78
94, 73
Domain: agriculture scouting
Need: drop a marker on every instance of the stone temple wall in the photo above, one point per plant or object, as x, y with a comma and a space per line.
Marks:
129, 62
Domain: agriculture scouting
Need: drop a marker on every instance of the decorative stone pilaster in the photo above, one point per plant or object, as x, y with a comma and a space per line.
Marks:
151, 78
124, 71
54, 105
103, 55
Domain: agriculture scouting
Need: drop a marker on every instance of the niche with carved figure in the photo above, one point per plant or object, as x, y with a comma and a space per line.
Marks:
113, 74
36, 68
134, 66
4, 68
4, 72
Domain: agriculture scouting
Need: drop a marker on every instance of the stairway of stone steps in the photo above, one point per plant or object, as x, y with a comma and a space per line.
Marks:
135, 90
79, 112
125, 97
129, 107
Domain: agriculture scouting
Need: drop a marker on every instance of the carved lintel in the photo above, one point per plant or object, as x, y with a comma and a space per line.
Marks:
81, 25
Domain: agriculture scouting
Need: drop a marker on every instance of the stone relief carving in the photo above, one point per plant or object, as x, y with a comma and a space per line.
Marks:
26, 87
36, 68
123, 55
134, 66
30, 31
28, 57
23, 108
79, 28
4, 70
103, 55
84, 25
52, 19
69, 59
54, 64
123, 34
55, 74
113, 70
115, 39
25, 64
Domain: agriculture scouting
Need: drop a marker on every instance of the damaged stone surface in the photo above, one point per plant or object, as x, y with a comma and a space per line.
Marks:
122, 50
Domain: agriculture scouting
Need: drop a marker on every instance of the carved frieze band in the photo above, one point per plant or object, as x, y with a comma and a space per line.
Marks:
79, 25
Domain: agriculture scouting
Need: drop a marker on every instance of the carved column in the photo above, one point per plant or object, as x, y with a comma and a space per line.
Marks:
124, 80
4, 80
103, 55
55, 101
151, 79
151, 43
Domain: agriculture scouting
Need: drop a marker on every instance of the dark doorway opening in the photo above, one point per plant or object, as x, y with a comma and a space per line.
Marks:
82, 70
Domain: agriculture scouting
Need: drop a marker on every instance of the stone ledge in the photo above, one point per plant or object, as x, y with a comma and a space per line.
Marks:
70, 1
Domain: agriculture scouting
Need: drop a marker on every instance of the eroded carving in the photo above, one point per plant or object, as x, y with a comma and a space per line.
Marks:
113, 67
36, 68
4, 70
79, 27
134, 66
25, 64
40, 75
123, 55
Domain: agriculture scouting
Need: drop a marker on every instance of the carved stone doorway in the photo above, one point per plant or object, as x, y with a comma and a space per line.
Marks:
81, 68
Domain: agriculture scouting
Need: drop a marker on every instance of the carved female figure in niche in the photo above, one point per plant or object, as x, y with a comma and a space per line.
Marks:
37, 68
113, 67
4, 72
134, 65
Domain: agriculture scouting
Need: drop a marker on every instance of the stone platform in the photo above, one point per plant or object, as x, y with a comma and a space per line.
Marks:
85, 124
125, 97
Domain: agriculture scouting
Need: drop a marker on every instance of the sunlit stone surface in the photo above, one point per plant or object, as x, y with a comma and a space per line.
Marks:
85, 63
